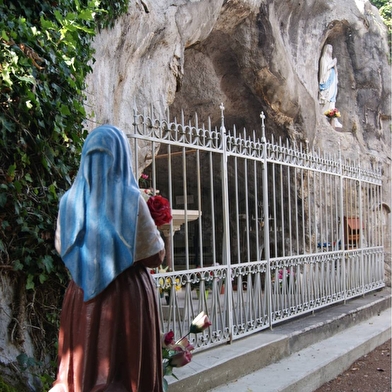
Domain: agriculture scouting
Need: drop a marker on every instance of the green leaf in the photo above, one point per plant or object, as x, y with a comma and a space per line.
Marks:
28, 79
11, 170
43, 278
3, 199
22, 360
52, 190
30, 282
64, 110
18, 266
48, 263
4, 36
6, 76
18, 186
4, 224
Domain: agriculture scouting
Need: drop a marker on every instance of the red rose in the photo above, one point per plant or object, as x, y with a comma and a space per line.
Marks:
168, 339
159, 209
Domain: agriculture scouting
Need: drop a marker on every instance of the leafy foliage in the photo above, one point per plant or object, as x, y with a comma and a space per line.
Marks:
111, 10
4, 387
385, 9
379, 3
44, 58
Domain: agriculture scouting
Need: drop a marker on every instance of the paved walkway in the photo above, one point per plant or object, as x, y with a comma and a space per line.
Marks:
313, 366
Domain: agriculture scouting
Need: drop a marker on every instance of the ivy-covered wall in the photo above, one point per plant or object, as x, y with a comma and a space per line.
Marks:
45, 55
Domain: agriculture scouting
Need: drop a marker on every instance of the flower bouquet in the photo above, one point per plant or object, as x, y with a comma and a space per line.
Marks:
159, 206
145, 187
179, 353
148, 192
143, 181
331, 113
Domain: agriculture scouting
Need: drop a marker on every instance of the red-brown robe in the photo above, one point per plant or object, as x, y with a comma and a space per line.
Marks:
112, 342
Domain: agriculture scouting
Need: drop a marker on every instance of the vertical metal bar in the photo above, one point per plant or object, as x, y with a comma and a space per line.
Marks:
342, 239
359, 184
237, 213
321, 211
380, 241
226, 223
185, 192
290, 208
296, 210
301, 277
246, 209
357, 266
266, 214
337, 206
330, 213
373, 204
315, 214
170, 195
376, 222
281, 209
366, 213
310, 202
199, 208
275, 217
303, 210
256, 200
380, 257
212, 195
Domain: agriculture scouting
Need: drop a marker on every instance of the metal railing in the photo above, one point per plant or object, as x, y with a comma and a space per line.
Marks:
263, 231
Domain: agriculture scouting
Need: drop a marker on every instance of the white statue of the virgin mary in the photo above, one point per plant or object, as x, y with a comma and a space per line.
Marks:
328, 82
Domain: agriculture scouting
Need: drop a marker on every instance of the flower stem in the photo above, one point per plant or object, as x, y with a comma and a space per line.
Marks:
179, 340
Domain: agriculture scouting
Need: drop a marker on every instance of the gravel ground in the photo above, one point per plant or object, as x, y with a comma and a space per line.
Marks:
371, 373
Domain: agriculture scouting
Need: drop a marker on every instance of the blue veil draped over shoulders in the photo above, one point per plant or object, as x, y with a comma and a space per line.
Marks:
98, 214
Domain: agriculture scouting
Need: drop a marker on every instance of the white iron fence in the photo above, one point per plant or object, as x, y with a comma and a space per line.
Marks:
262, 231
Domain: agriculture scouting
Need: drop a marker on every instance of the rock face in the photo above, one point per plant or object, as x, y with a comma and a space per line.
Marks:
252, 55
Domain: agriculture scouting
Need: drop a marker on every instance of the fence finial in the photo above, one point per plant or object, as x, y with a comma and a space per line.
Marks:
262, 116
222, 108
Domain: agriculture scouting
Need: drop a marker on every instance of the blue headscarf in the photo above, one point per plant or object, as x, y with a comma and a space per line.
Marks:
98, 214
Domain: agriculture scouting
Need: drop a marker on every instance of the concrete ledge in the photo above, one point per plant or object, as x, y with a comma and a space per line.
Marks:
343, 359
313, 366
222, 364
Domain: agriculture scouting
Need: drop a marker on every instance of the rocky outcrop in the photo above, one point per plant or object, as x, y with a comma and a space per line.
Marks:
252, 55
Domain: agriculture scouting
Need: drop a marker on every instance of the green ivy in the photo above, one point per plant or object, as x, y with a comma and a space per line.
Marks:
110, 11
4, 387
385, 9
44, 60
45, 56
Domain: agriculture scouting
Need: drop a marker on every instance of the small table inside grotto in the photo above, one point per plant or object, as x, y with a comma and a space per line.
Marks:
179, 218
